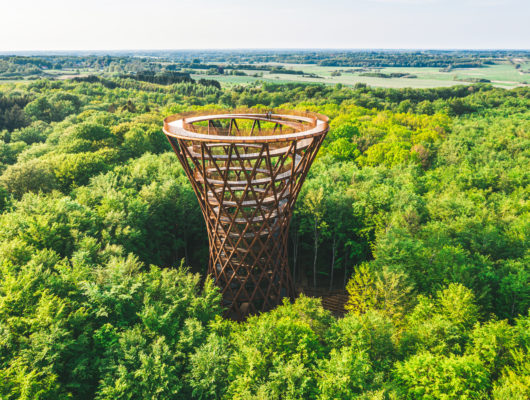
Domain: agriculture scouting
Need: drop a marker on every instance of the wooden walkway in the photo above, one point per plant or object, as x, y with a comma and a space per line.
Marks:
333, 301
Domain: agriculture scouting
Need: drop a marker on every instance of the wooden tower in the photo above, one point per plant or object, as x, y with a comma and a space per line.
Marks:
247, 169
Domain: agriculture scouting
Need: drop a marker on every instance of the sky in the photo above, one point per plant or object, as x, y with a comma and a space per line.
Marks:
44, 25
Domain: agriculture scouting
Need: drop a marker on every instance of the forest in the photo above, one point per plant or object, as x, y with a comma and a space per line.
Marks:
35, 66
418, 204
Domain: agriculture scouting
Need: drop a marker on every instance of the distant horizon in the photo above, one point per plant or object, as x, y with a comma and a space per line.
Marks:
243, 49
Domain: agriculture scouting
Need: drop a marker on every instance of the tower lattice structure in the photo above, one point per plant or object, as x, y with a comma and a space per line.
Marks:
247, 169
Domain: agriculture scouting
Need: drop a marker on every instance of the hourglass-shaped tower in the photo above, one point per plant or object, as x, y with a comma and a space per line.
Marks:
247, 169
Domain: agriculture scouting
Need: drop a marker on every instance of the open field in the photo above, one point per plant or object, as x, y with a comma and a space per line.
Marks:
414, 69
501, 75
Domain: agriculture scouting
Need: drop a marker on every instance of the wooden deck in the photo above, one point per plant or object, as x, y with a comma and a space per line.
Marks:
333, 301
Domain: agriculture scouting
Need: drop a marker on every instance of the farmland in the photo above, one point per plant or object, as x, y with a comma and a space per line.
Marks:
379, 69
501, 75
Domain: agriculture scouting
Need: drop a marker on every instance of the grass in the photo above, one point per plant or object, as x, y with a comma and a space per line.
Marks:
502, 75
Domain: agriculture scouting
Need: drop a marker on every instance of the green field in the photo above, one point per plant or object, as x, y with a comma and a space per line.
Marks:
423, 71
501, 75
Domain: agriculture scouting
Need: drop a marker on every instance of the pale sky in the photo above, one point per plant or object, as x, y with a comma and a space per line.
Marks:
224, 24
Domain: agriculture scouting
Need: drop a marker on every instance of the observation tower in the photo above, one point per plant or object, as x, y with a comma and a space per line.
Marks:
246, 169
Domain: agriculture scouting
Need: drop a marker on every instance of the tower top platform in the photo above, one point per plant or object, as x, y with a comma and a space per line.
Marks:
246, 126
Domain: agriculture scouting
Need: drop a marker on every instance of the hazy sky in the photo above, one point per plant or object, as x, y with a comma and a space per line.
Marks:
213, 24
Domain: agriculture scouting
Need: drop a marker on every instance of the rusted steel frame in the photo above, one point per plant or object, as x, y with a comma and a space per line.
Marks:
268, 162
258, 207
296, 126
276, 273
248, 139
285, 273
241, 242
293, 167
253, 190
235, 124
187, 171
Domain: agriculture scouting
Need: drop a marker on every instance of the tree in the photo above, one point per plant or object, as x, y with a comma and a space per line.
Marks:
314, 203
441, 325
30, 176
53, 108
13, 118
75, 169
275, 353
35, 133
208, 366
361, 290
428, 376
346, 374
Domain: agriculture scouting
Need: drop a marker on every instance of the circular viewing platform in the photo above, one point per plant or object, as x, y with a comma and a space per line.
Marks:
246, 127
